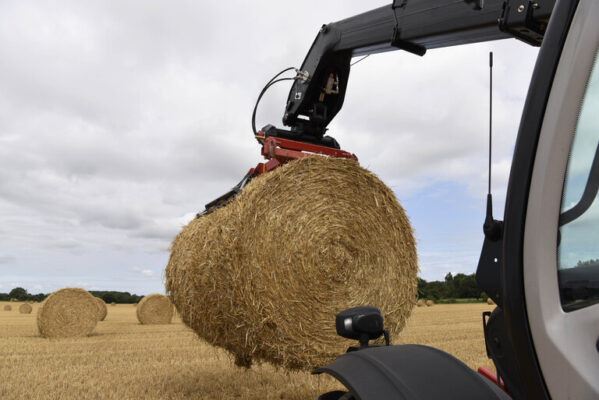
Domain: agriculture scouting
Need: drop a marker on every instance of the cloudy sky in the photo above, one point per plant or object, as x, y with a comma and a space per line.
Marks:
120, 120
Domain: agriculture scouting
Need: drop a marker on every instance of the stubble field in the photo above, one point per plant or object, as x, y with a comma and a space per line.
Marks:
125, 360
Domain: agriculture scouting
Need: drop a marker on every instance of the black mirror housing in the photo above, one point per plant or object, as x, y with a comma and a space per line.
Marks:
360, 323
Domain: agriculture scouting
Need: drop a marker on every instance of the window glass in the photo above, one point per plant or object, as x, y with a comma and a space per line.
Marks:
578, 241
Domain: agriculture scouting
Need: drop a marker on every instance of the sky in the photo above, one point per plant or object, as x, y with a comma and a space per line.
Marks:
120, 120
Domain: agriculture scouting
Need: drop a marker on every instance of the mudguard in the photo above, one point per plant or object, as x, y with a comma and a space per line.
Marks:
409, 372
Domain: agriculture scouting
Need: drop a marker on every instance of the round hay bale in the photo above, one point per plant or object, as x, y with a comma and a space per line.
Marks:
430, 303
67, 312
25, 308
490, 301
102, 309
113, 304
420, 303
155, 309
8, 307
265, 276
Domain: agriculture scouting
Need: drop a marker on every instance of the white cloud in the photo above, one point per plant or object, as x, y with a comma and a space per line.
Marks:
146, 272
6, 258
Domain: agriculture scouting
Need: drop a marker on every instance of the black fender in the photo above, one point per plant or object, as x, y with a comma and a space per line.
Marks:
409, 372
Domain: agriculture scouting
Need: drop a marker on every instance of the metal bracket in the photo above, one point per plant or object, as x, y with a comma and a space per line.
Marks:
410, 47
476, 4
526, 20
396, 40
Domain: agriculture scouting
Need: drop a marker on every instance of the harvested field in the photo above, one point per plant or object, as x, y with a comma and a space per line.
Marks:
170, 362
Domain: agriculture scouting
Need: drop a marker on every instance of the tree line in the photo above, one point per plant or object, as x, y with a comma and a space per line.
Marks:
20, 294
460, 286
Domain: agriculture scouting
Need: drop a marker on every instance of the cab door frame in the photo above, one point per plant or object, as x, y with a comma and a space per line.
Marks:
565, 342
512, 265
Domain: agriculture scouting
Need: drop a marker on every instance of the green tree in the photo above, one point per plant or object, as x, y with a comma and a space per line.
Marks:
422, 288
38, 297
450, 286
19, 293
587, 263
465, 286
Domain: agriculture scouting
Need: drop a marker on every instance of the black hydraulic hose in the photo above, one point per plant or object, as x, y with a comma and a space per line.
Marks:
268, 85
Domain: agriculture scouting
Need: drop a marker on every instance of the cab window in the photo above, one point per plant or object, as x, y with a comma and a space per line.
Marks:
578, 238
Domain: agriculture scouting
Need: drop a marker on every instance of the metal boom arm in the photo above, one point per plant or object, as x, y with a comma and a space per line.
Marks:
410, 25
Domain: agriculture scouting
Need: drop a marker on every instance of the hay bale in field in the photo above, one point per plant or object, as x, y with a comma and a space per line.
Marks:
264, 276
430, 303
67, 312
102, 309
420, 303
25, 308
8, 307
490, 301
113, 304
155, 309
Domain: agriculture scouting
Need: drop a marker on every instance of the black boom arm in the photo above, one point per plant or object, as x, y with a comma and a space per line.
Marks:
411, 25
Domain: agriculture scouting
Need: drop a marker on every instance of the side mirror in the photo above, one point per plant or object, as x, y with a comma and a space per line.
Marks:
361, 323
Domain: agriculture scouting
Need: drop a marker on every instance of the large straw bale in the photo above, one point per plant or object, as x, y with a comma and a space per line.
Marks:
102, 309
67, 312
264, 276
8, 307
430, 303
420, 303
155, 309
25, 308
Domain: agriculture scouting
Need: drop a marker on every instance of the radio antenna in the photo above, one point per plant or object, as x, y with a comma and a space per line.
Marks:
492, 228
490, 115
